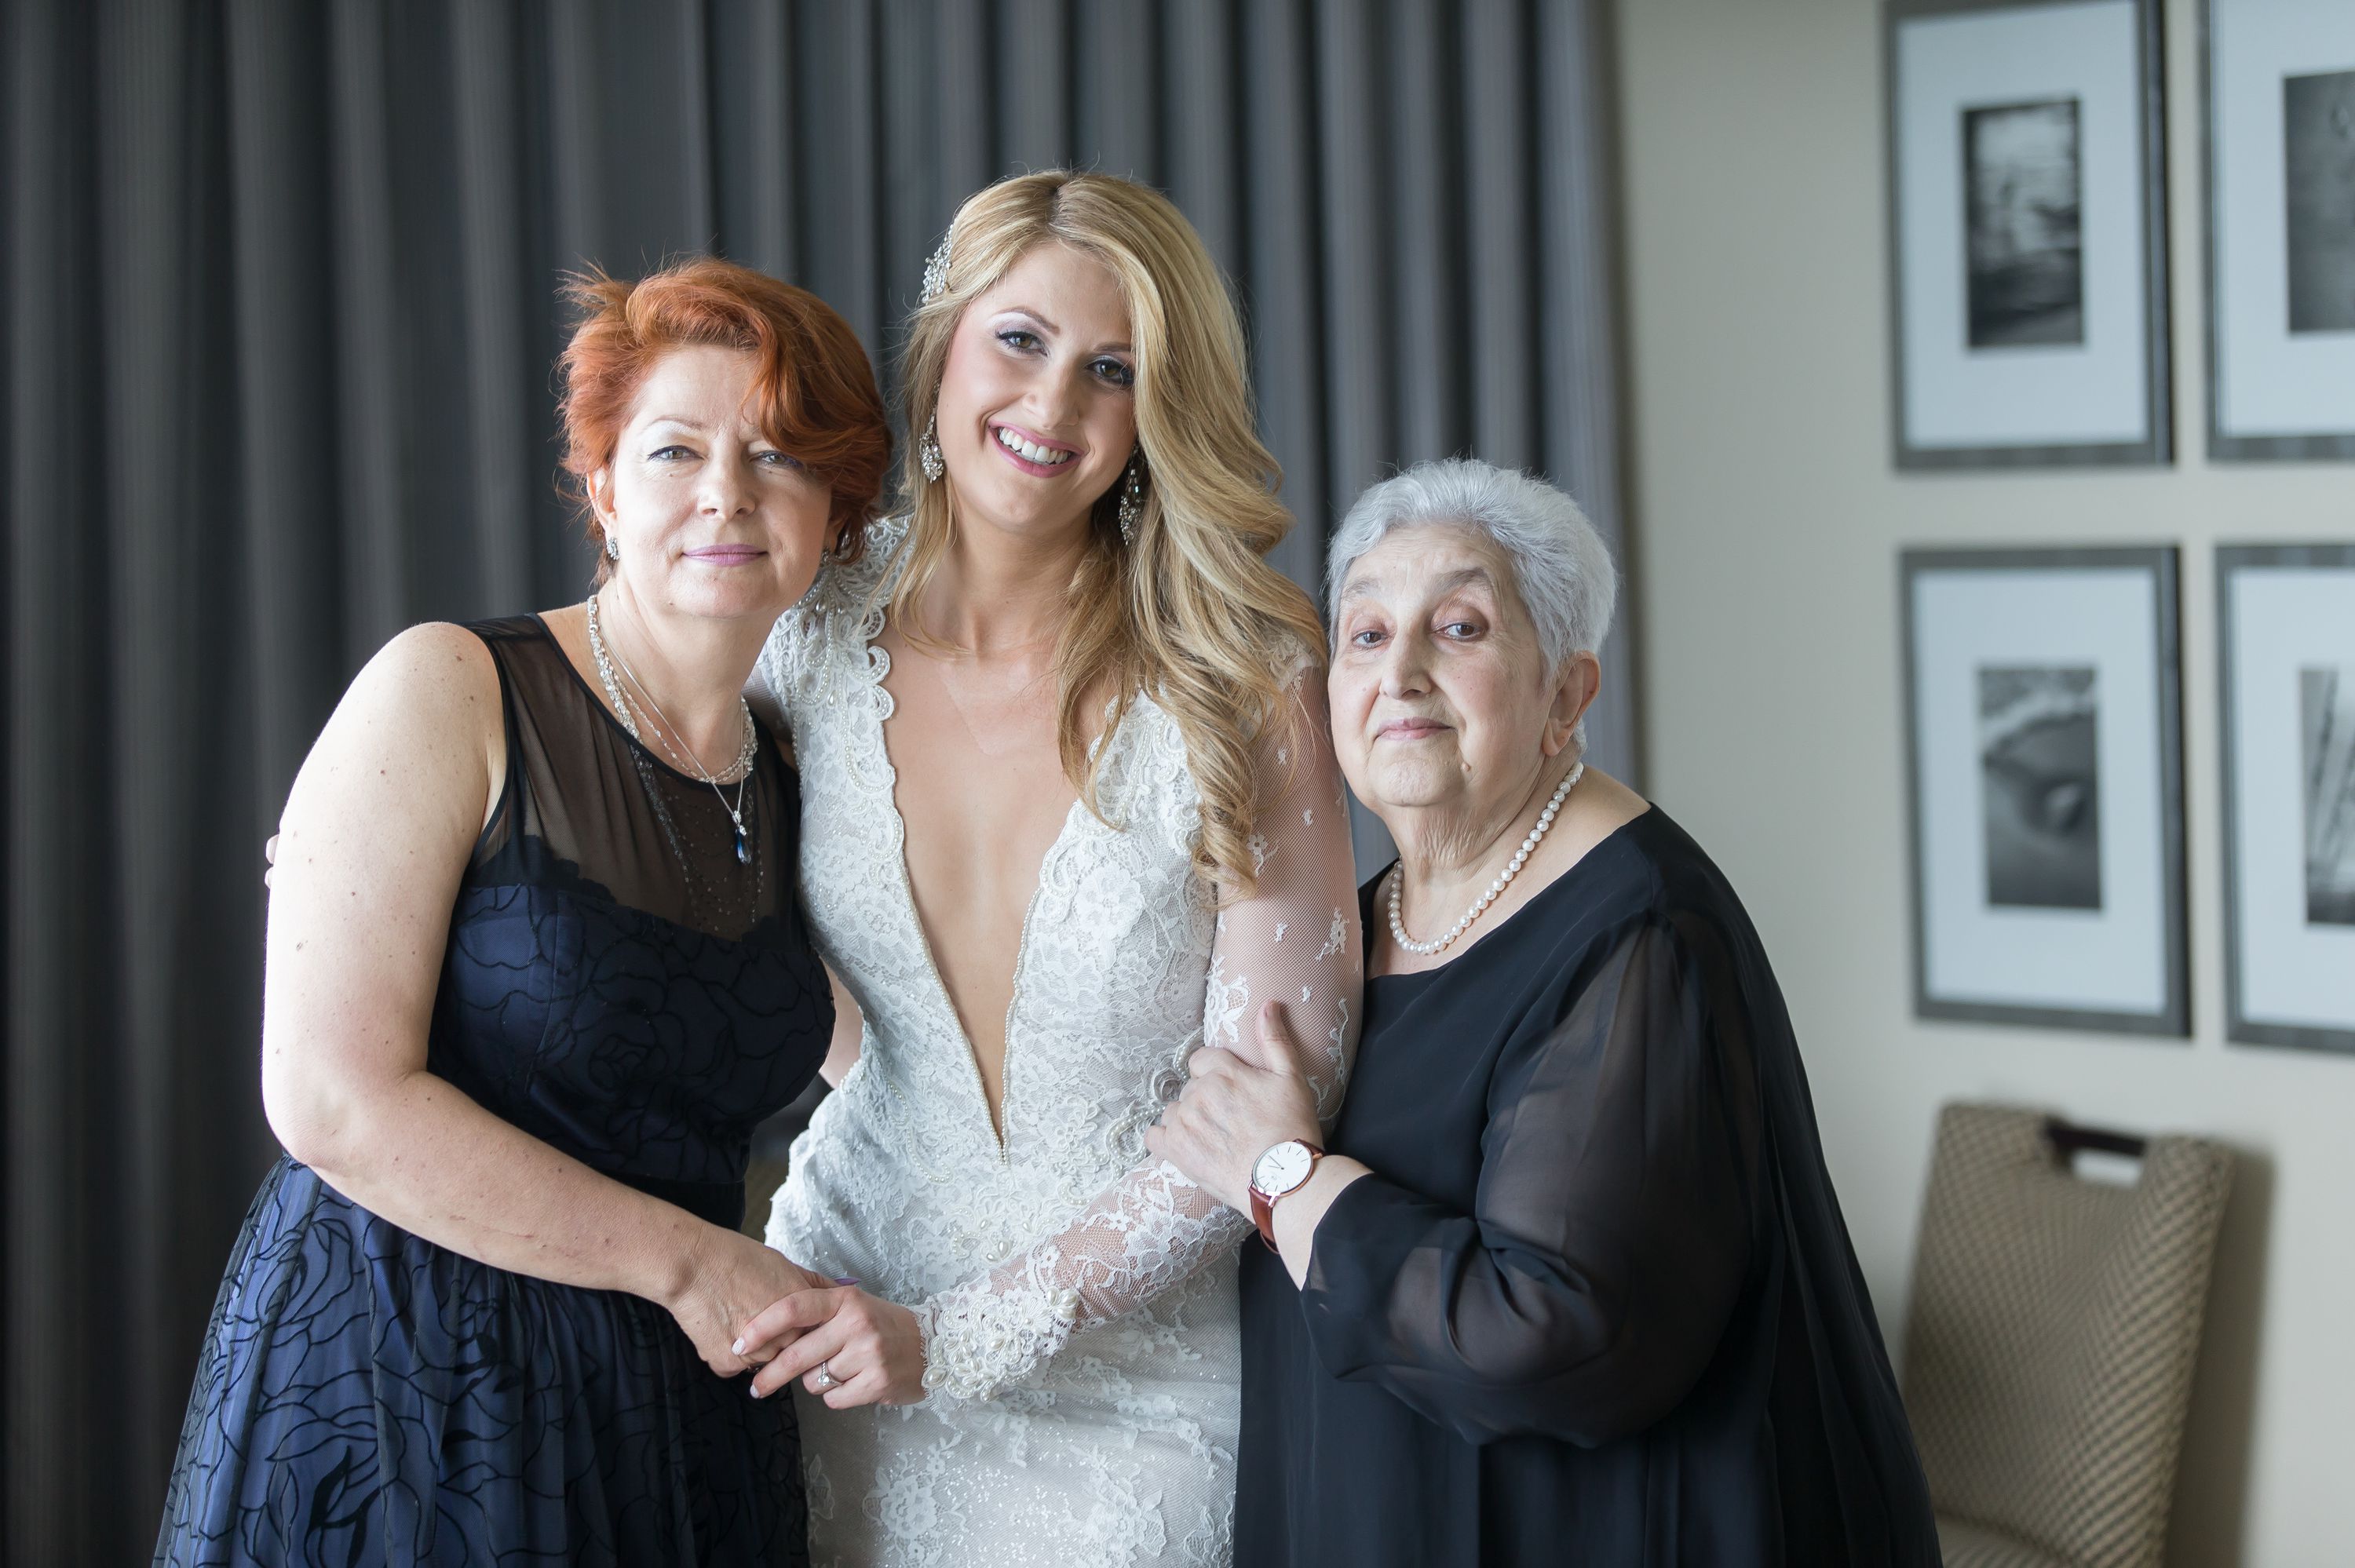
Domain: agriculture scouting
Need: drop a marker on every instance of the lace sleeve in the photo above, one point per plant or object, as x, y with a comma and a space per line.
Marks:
1296, 938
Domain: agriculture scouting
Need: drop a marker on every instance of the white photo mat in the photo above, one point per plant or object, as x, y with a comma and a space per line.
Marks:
2271, 392
2101, 399
2283, 610
2111, 612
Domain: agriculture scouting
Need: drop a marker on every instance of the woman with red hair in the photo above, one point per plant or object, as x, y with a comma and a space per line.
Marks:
535, 971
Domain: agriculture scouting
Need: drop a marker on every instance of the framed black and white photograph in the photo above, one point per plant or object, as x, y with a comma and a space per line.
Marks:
2044, 727
2280, 88
2027, 212
2285, 642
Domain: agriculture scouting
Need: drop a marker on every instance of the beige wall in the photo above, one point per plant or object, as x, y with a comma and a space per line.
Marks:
1769, 521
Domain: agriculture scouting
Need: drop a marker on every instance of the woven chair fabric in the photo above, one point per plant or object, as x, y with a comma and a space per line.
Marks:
1962, 1544
2051, 1339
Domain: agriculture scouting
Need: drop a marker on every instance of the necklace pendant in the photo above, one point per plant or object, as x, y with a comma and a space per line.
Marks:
743, 849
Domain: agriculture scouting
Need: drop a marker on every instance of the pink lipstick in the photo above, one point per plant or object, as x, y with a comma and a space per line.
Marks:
1031, 453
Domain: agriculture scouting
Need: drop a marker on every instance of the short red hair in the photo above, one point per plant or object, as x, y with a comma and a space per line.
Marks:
815, 387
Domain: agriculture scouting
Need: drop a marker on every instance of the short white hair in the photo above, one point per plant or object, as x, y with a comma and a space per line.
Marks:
1561, 568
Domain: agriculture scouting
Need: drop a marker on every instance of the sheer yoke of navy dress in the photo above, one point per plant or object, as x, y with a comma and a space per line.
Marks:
624, 985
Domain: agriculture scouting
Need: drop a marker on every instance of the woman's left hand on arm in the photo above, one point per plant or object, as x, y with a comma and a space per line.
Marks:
872, 1347
1232, 1112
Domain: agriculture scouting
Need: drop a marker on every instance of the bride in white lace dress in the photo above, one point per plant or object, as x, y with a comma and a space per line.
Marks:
1070, 814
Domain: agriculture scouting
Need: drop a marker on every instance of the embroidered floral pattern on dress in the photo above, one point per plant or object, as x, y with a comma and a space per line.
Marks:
1078, 1295
1336, 938
365, 1395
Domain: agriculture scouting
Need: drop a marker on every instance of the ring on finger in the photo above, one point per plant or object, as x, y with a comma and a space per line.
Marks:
825, 1378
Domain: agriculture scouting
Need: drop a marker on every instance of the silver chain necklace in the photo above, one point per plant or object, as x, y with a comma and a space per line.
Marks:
1479, 905
745, 756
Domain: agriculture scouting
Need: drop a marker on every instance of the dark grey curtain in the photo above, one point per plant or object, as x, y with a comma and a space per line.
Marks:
279, 319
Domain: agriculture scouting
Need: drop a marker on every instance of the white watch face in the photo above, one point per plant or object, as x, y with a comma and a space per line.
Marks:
1282, 1168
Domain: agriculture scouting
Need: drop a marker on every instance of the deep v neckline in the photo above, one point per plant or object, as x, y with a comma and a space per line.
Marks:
1001, 1125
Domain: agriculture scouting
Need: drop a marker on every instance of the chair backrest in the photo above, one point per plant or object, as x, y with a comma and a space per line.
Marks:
2054, 1328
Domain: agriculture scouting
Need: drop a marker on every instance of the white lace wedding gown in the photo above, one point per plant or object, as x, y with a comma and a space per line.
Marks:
1078, 1295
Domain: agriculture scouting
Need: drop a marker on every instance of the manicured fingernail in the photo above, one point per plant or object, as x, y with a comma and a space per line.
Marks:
845, 1279
737, 1349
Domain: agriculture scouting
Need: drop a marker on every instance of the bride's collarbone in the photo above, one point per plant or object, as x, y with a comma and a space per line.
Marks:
980, 800
981, 787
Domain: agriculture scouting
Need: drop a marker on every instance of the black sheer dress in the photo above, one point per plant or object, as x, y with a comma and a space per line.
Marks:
618, 984
1597, 1304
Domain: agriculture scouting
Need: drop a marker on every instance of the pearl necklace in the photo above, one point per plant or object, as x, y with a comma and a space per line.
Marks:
1479, 905
745, 756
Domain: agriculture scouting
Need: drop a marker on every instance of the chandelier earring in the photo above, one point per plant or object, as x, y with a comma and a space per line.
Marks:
1132, 497
928, 452
936, 283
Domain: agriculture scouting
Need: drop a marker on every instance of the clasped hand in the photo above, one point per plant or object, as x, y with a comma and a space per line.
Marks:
1230, 1112
873, 1351
850, 1348
847, 1347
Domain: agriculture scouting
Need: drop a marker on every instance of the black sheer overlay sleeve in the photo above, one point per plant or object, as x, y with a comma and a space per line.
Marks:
1596, 1302
1589, 1287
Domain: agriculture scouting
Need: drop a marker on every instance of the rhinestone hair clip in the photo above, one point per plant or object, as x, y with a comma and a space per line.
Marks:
936, 274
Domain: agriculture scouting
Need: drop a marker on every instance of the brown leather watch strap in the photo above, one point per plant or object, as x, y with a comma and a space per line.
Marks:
1263, 1204
1263, 1216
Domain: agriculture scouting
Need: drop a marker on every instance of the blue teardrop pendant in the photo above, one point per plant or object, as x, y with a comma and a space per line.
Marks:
743, 850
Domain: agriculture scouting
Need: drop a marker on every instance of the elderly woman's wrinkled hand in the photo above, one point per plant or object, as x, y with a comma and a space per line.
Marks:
1230, 1112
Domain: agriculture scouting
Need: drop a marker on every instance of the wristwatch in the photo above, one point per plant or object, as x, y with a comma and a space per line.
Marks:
1278, 1173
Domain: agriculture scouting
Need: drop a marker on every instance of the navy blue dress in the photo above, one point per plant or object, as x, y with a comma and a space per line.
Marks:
620, 985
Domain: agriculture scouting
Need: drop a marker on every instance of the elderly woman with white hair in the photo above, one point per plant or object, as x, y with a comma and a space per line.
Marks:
1567, 1281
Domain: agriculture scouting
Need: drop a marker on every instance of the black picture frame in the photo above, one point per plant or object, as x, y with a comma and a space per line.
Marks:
2172, 1019
2158, 446
2231, 561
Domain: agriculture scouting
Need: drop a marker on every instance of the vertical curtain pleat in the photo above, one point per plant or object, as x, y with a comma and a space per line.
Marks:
835, 75
698, 171
914, 204
1577, 315
368, 324
282, 368
965, 143
1032, 42
575, 148
56, 652
142, 269
764, 140
1283, 297
1498, 189
1425, 154
280, 312
497, 381
1201, 121
1359, 361
1116, 89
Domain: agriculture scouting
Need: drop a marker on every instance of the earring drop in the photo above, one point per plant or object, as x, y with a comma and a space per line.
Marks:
613, 546
1132, 498
928, 452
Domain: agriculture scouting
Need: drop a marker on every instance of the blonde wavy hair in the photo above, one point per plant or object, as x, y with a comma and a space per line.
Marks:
1191, 611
